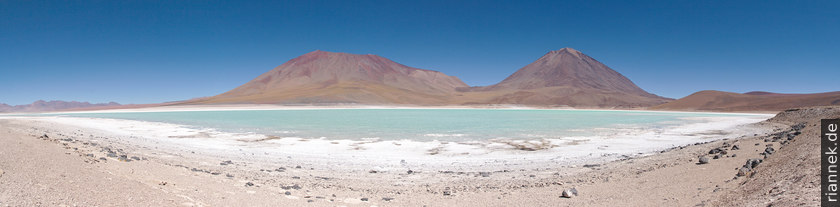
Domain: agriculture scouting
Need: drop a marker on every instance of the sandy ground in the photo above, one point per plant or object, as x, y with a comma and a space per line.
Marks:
44, 163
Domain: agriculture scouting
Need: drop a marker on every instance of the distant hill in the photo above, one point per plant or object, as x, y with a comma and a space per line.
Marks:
321, 77
565, 77
752, 101
41, 106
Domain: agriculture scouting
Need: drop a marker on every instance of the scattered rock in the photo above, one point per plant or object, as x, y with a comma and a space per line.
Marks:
124, 158
227, 162
410, 172
569, 193
714, 151
228, 175
735, 147
744, 171
249, 184
769, 150
373, 171
484, 174
135, 158
716, 157
364, 199
591, 165
111, 154
288, 193
387, 199
703, 160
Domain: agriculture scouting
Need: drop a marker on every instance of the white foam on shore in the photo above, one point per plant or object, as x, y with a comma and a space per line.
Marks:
608, 144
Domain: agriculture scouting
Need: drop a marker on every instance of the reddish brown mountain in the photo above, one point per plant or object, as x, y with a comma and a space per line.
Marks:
40, 105
565, 77
328, 77
752, 101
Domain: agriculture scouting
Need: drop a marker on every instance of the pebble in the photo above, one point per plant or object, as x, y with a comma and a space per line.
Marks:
569, 193
704, 160
484, 174
744, 171
387, 199
288, 193
249, 184
364, 199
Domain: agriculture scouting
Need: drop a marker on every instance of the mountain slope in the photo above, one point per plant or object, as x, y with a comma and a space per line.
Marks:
753, 101
565, 77
328, 77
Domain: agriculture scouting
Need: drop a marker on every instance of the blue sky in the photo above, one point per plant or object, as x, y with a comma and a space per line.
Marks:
156, 51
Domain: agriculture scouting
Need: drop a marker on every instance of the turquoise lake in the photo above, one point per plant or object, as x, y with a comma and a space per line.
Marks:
417, 124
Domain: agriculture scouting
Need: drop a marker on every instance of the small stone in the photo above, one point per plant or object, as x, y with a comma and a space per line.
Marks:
310, 201
446, 193
373, 171
484, 174
103, 158
569, 193
364, 199
714, 151
716, 157
769, 150
387, 199
298, 167
112, 154
228, 175
249, 184
410, 172
703, 160
744, 171
288, 193
135, 158
227, 162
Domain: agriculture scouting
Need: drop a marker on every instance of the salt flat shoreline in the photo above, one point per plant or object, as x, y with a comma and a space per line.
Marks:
157, 174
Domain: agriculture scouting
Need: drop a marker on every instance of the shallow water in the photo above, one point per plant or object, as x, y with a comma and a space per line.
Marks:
424, 124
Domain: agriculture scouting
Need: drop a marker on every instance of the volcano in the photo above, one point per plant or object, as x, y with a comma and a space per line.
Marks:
565, 77
321, 77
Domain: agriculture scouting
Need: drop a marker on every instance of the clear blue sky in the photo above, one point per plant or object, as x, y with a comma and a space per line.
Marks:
148, 51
